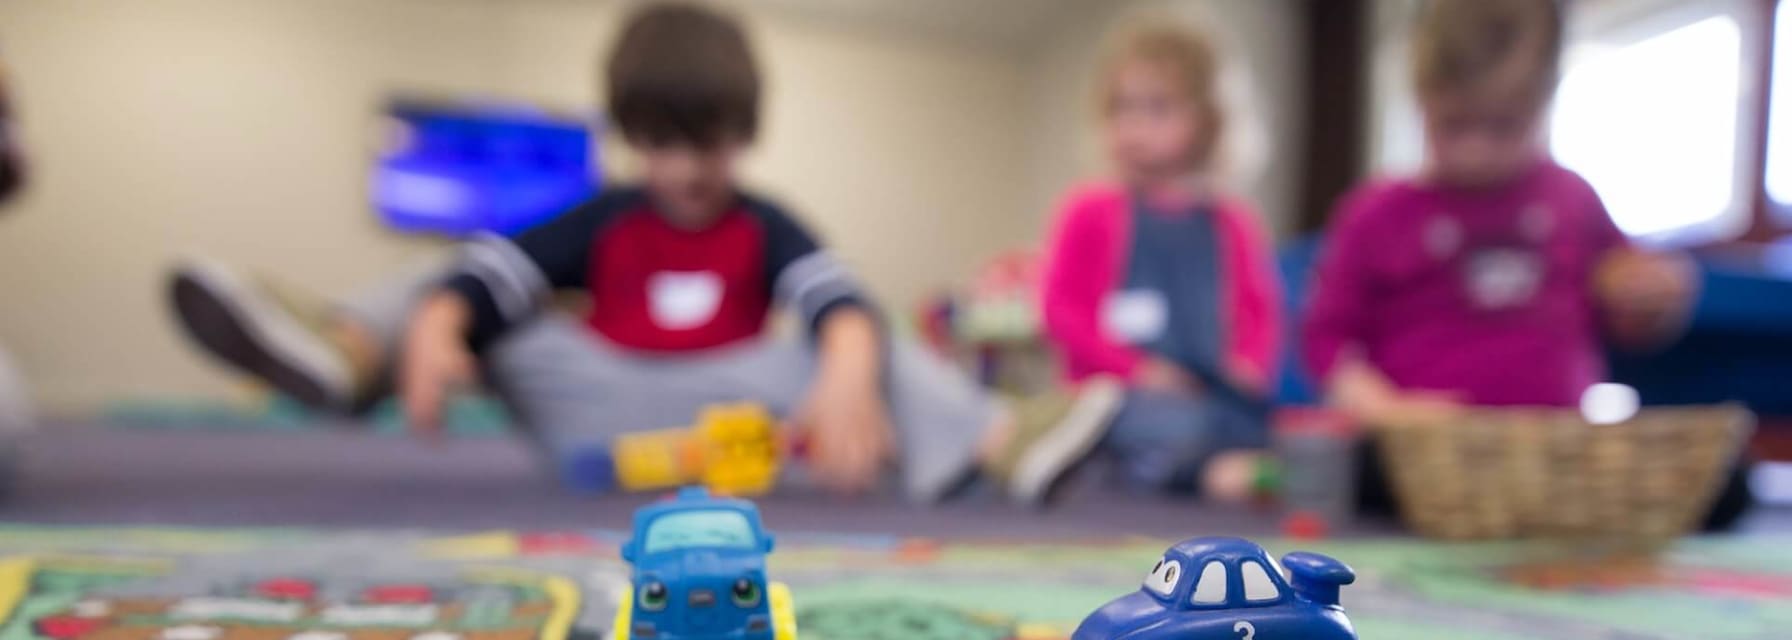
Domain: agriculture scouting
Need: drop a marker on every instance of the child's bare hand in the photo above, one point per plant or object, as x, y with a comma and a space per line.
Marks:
1417, 408
435, 363
1370, 398
845, 418
849, 433
1163, 376
1645, 296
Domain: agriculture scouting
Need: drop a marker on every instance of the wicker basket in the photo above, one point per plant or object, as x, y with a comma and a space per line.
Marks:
1549, 473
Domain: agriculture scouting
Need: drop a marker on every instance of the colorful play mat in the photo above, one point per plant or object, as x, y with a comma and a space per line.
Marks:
186, 584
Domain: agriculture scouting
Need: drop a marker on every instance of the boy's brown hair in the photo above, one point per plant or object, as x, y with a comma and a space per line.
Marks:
1191, 60
1513, 45
683, 73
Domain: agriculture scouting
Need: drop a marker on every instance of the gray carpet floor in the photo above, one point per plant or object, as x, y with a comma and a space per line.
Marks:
342, 477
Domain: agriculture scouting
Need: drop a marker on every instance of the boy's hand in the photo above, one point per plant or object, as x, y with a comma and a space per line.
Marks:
1163, 376
849, 434
435, 361
845, 416
1646, 297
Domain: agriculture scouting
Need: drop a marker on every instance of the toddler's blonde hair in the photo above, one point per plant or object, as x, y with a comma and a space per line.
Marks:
1512, 45
1189, 56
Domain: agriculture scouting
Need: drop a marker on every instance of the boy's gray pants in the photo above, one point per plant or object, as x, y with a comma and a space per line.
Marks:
574, 391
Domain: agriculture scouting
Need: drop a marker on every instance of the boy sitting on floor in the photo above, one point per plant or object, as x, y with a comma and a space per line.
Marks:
682, 271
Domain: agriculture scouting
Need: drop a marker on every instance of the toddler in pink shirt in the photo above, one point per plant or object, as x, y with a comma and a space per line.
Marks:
1162, 286
1494, 276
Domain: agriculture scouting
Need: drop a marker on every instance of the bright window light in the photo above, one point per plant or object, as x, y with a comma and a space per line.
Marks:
1779, 139
1653, 125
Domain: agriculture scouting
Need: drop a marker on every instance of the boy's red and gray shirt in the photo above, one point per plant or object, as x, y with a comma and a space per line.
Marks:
655, 286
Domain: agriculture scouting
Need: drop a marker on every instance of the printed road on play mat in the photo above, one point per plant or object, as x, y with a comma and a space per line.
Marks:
166, 584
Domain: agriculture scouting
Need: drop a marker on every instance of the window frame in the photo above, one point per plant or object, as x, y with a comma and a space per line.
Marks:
1622, 23
1772, 218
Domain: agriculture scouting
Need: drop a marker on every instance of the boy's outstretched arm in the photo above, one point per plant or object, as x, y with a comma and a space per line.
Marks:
435, 359
845, 416
497, 283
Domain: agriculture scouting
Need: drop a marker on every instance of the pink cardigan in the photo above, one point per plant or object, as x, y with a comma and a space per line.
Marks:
1086, 262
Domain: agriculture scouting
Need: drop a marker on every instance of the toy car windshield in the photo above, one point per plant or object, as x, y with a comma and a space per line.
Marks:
709, 529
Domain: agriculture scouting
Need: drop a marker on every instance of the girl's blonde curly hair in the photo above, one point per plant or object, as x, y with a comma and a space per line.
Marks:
1189, 56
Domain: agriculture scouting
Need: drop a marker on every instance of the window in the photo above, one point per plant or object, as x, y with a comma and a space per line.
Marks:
1258, 587
1779, 127
700, 529
1650, 113
1212, 587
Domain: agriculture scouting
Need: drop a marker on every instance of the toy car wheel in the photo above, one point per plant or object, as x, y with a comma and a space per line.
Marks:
783, 609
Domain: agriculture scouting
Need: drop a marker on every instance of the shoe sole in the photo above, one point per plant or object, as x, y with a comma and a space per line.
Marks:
1054, 455
235, 324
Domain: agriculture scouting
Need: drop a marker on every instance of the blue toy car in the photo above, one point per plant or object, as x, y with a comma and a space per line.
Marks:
699, 574
1228, 589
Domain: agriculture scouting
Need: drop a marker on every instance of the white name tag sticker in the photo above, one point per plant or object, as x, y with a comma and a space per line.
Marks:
679, 300
1135, 317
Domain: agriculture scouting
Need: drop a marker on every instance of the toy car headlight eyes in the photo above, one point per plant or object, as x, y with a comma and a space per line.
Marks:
1163, 577
746, 593
654, 596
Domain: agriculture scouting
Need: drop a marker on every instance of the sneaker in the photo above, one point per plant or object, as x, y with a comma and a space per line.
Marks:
276, 336
1053, 435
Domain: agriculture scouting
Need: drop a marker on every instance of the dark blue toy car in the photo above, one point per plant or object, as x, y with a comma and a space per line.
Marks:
699, 574
1228, 589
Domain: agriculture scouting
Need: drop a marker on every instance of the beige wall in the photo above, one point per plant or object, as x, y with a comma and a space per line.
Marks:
241, 129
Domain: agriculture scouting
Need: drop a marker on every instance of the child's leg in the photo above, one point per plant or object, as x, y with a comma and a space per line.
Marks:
327, 355
1160, 440
374, 318
574, 392
1171, 442
948, 428
1038, 442
939, 415
945, 422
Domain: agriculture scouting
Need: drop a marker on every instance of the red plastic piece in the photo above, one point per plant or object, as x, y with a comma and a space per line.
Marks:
918, 551
555, 543
1305, 525
286, 589
66, 627
400, 594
